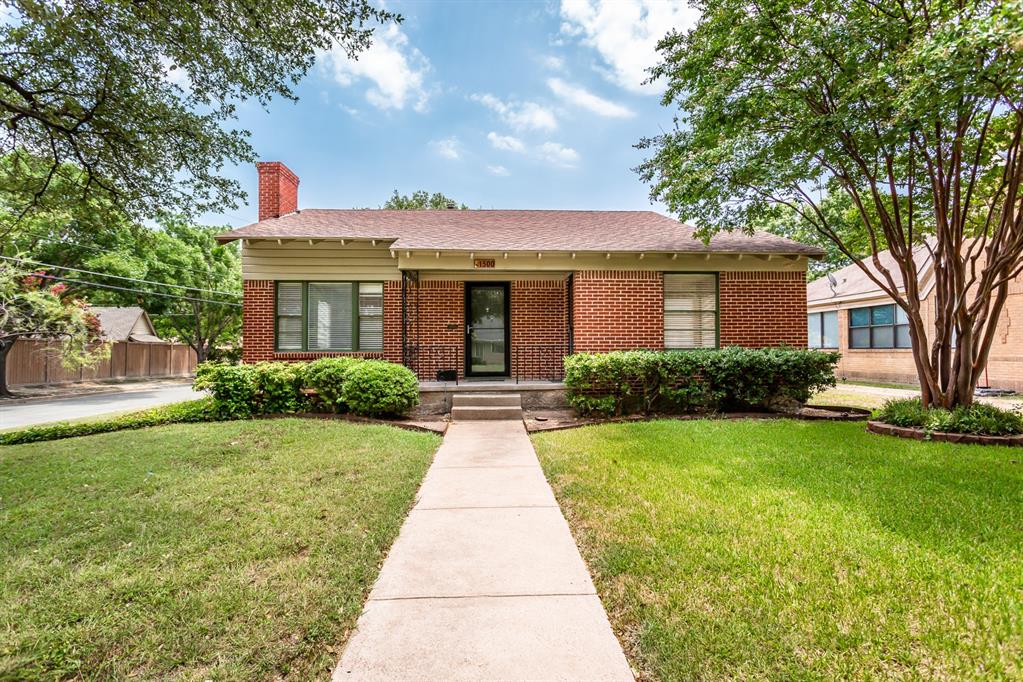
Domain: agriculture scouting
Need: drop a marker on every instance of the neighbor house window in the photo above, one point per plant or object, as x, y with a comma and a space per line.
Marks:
330, 316
690, 311
879, 326
822, 329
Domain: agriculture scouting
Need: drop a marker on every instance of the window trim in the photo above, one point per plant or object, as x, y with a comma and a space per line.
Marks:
821, 314
894, 326
717, 306
356, 336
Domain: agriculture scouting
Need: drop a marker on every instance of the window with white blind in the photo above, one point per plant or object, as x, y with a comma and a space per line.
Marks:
822, 329
690, 311
330, 316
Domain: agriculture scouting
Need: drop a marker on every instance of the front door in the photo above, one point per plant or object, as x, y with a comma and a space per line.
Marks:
486, 329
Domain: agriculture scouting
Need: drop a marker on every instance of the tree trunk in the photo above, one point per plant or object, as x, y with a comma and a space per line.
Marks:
5, 348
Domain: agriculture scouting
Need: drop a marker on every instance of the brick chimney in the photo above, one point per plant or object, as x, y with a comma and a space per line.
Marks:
278, 189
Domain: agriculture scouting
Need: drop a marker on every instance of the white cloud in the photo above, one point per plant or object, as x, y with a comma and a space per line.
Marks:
585, 99
449, 148
554, 63
625, 33
498, 170
558, 154
520, 115
506, 142
396, 70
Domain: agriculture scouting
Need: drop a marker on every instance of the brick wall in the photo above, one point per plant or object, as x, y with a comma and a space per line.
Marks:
762, 309
440, 330
539, 327
616, 310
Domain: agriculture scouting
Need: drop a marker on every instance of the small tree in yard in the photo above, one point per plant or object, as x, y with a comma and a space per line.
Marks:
32, 308
912, 110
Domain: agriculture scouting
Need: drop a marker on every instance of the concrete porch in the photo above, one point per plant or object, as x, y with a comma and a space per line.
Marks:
435, 397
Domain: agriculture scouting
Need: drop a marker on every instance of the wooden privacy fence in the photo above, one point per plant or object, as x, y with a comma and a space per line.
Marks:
38, 362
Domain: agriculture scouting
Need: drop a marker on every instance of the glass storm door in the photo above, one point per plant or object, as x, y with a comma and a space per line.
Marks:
486, 329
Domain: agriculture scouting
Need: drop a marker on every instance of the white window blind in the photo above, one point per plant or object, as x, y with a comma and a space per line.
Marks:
289, 315
822, 329
329, 316
690, 311
371, 316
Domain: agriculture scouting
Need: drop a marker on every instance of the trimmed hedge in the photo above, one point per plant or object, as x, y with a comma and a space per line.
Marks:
364, 387
706, 380
979, 418
191, 411
375, 388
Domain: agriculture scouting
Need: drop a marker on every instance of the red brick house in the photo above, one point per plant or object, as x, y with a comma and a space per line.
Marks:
503, 293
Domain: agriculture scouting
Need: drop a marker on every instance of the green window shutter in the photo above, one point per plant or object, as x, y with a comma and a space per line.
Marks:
289, 315
329, 320
690, 311
371, 316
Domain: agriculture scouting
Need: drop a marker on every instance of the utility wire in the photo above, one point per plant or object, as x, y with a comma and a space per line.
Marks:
126, 279
136, 291
60, 240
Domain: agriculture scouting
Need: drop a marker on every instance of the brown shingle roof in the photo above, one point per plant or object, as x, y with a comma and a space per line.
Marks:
852, 281
508, 230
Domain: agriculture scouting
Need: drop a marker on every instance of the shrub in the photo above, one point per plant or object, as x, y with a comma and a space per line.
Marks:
326, 375
979, 418
201, 410
278, 387
908, 412
379, 388
233, 388
624, 382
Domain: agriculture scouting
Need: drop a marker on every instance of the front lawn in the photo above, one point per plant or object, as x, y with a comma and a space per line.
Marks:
238, 550
792, 550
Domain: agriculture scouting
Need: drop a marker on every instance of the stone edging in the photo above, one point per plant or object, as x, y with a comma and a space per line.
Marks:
961, 438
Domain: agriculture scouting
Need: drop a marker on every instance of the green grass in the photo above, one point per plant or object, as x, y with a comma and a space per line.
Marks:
798, 550
237, 550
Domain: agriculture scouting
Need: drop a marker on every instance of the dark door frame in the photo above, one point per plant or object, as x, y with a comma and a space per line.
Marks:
469, 286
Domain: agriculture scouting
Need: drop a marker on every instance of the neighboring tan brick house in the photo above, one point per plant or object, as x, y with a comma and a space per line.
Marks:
503, 293
851, 314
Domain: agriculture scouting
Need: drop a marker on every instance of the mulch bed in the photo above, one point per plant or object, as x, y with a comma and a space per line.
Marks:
962, 438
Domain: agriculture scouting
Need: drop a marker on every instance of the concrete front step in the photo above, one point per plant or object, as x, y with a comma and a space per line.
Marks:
464, 413
486, 400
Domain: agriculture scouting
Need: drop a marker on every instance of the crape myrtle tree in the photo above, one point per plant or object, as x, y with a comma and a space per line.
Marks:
911, 110
136, 95
32, 306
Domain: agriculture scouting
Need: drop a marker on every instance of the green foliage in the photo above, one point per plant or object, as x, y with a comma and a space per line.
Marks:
421, 200
378, 388
278, 387
625, 382
877, 124
327, 376
364, 387
138, 94
31, 306
200, 410
978, 418
233, 388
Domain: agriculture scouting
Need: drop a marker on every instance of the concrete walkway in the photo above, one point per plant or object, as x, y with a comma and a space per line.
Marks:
484, 581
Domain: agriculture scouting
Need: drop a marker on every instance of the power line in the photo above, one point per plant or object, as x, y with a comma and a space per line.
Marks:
126, 279
135, 291
97, 249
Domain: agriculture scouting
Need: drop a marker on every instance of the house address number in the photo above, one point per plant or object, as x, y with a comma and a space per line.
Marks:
479, 263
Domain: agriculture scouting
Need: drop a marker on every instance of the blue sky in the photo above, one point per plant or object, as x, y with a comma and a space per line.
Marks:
496, 104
